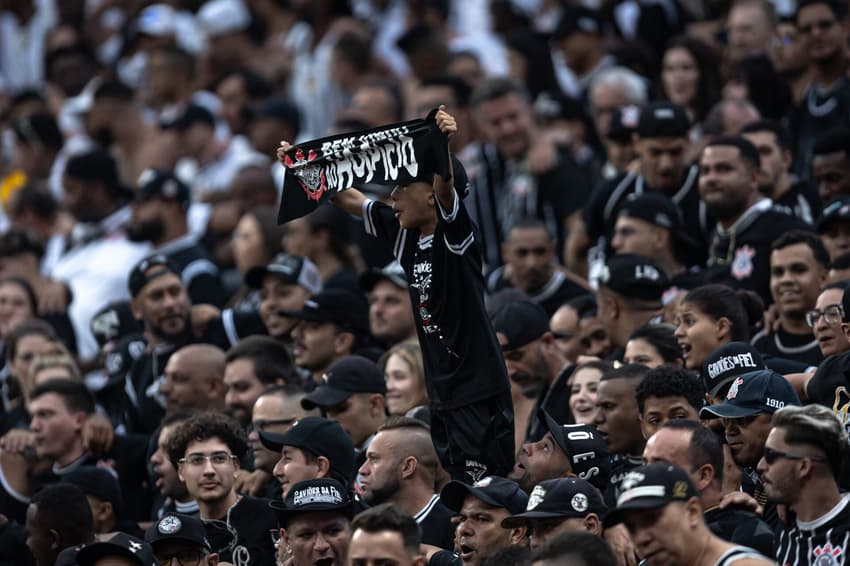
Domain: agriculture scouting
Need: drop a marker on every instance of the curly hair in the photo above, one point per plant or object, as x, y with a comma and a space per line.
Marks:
669, 381
205, 426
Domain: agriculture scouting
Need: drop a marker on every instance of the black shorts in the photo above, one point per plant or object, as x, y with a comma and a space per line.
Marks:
475, 440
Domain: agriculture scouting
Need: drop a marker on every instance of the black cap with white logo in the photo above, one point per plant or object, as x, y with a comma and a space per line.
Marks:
752, 394
655, 208
311, 496
293, 269
663, 119
635, 277
585, 449
560, 498
492, 490
727, 362
178, 527
345, 377
650, 487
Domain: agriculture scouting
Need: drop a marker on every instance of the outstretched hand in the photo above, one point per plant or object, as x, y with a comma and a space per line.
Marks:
446, 122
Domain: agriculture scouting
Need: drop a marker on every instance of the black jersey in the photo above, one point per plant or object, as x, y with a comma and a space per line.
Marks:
740, 256
242, 536
801, 348
818, 112
830, 387
800, 200
435, 524
197, 271
555, 292
743, 527
620, 467
822, 542
600, 216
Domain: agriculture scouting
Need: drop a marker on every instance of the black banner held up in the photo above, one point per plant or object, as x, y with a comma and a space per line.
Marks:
390, 155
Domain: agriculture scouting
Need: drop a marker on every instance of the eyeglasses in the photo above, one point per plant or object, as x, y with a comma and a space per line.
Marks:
771, 456
183, 558
216, 459
832, 314
263, 426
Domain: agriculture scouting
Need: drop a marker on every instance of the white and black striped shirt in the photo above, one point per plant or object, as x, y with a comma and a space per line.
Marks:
822, 542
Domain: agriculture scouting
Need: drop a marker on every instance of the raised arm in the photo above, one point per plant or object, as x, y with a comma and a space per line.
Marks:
444, 188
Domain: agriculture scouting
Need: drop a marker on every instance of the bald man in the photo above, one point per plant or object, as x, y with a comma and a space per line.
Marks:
401, 468
194, 379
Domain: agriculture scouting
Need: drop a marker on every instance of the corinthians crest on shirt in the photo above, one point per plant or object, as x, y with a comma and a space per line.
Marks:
827, 555
742, 263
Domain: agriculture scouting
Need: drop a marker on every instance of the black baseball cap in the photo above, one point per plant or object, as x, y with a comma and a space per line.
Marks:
754, 393
492, 490
100, 483
727, 362
310, 496
192, 114
155, 183
836, 211
663, 119
279, 109
179, 527
426, 172
650, 487
122, 544
653, 207
521, 322
584, 447
345, 308
293, 269
578, 19
635, 277
322, 437
141, 273
112, 322
560, 498
392, 272
344, 377
624, 121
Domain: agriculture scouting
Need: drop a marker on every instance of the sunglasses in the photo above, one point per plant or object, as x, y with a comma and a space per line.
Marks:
771, 456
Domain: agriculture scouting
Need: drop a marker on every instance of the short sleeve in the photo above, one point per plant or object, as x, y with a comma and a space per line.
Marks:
380, 222
457, 227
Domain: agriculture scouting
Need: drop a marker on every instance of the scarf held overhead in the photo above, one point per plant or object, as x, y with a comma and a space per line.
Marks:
390, 155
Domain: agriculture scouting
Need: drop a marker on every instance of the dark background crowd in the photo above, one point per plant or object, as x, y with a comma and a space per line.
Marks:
622, 337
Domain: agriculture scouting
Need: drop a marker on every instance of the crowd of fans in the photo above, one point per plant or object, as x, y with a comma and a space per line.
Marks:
615, 331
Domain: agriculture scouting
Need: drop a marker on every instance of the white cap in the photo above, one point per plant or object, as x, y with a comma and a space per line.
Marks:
218, 17
157, 20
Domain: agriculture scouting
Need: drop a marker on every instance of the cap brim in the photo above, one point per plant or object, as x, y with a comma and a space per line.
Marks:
94, 552
304, 315
555, 429
712, 392
455, 492
324, 396
191, 541
254, 277
272, 441
615, 516
370, 278
522, 519
284, 514
728, 411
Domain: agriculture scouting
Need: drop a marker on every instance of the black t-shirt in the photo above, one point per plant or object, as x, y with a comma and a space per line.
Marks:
251, 519
802, 348
740, 257
435, 524
830, 387
555, 292
460, 352
600, 215
620, 466
800, 200
822, 542
742, 527
445, 558
817, 112
198, 272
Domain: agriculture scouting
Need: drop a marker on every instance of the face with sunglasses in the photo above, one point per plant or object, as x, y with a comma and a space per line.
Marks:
529, 253
179, 553
783, 466
826, 322
746, 437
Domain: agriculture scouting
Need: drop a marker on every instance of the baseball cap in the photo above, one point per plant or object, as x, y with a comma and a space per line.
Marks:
578, 19
559, 498
426, 172
321, 436
217, 17
521, 322
753, 393
650, 487
663, 119
192, 114
279, 109
156, 20
139, 276
155, 183
344, 377
339, 306
100, 483
836, 211
635, 277
310, 496
392, 272
122, 545
624, 123
293, 269
112, 322
492, 490
176, 526
584, 447
727, 362
655, 208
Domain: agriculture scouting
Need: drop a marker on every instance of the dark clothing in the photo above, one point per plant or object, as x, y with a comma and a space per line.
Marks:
435, 524
817, 113
830, 387
555, 400
801, 348
752, 485
504, 192
13, 545
740, 256
199, 274
800, 200
558, 289
741, 527
472, 414
620, 466
250, 519
445, 558
343, 279
824, 541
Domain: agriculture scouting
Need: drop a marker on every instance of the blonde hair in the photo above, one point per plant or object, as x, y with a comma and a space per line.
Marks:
54, 355
411, 353
816, 426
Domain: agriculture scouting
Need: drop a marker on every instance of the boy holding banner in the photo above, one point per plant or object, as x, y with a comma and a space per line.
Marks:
435, 241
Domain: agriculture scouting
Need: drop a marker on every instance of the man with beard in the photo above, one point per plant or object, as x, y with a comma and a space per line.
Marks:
531, 266
390, 313
747, 224
537, 369
173, 491
401, 468
798, 269
160, 217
